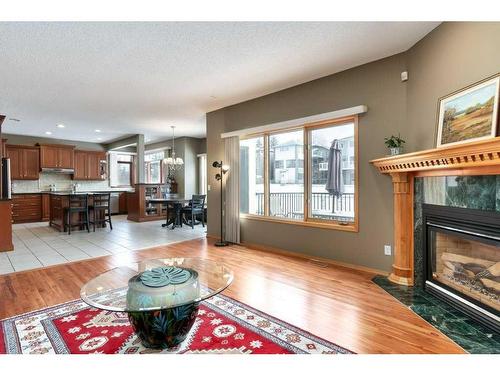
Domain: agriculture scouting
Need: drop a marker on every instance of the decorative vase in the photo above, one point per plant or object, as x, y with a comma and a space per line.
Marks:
396, 150
169, 324
166, 328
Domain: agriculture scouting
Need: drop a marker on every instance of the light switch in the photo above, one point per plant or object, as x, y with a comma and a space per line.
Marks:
387, 250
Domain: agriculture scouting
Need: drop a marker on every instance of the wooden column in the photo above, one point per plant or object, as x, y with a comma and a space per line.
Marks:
402, 268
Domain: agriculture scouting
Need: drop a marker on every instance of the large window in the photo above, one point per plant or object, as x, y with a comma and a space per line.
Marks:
332, 199
121, 170
286, 174
305, 176
153, 167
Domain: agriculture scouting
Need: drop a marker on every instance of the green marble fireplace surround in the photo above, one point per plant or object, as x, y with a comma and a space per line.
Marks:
476, 192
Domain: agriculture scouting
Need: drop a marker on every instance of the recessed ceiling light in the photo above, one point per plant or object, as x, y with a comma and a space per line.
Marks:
48, 133
60, 126
97, 130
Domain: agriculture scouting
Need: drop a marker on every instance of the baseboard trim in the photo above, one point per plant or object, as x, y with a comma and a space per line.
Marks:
279, 251
276, 250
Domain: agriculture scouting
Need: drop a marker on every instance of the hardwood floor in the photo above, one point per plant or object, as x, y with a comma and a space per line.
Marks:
337, 303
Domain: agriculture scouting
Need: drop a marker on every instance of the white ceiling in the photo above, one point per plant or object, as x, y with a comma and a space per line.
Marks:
129, 78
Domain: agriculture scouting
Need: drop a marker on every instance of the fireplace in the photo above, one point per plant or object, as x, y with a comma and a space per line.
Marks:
462, 260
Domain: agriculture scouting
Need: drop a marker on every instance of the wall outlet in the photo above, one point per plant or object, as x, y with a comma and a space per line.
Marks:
208, 187
387, 250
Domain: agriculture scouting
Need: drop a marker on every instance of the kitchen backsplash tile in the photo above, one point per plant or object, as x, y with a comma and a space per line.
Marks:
61, 181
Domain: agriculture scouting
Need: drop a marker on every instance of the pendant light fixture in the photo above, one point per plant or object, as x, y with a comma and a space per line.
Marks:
174, 163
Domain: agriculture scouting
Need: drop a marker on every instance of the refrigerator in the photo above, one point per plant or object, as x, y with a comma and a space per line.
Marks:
6, 186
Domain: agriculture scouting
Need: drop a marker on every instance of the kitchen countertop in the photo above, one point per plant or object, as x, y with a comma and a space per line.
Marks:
66, 192
62, 192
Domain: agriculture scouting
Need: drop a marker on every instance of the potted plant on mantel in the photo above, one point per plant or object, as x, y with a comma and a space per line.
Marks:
394, 144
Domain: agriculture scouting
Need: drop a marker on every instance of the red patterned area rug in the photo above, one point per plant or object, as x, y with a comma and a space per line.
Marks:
223, 325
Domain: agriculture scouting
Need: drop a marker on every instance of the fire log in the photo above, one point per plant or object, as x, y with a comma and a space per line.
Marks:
492, 285
467, 260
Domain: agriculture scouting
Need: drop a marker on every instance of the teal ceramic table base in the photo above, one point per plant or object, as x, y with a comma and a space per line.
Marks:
165, 328
160, 296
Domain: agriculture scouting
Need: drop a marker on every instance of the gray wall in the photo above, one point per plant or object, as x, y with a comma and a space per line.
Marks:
31, 141
186, 148
451, 56
376, 85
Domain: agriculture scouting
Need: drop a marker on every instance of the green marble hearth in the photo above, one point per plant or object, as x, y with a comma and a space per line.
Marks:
466, 332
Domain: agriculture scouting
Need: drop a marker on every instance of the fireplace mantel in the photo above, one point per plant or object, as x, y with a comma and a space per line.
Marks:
473, 158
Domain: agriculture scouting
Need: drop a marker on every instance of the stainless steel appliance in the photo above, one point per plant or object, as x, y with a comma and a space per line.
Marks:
6, 181
59, 170
114, 203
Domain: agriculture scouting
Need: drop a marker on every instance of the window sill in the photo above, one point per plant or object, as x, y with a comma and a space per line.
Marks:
352, 227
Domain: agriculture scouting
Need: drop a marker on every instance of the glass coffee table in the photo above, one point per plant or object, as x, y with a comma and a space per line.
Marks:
160, 296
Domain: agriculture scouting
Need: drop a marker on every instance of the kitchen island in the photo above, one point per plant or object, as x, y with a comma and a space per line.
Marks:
59, 201
34, 206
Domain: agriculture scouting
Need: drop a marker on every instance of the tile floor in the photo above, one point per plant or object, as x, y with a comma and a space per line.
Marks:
38, 245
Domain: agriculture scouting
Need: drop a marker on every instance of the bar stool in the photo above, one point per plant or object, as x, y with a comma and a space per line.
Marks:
100, 209
77, 203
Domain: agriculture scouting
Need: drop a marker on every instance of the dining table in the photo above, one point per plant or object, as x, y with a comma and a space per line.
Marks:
178, 202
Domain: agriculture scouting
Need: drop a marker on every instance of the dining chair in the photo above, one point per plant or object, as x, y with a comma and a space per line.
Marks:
196, 207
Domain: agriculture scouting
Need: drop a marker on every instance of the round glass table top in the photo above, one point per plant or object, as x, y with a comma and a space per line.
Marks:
157, 284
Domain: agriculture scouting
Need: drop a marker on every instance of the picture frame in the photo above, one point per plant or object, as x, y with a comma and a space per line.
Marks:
469, 114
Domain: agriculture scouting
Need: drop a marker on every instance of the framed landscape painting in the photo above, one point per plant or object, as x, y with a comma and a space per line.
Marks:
470, 114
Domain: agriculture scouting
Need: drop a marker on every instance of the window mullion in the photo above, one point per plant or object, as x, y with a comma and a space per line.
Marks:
266, 175
306, 174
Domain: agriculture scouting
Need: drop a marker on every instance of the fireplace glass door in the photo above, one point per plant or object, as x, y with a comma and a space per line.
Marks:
466, 264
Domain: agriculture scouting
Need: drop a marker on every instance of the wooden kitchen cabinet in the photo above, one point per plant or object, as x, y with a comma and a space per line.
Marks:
94, 165
48, 157
24, 162
88, 165
45, 207
26, 208
14, 154
80, 165
66, 157
31, 163
57, 156
122, 203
